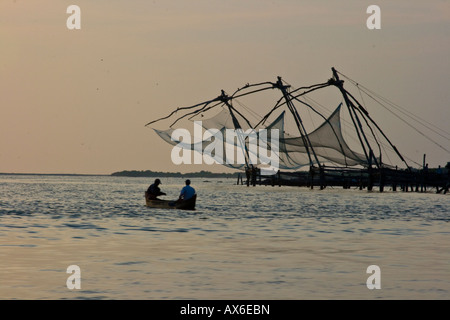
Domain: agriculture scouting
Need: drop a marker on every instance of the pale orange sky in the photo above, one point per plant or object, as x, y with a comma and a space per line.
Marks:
76, 101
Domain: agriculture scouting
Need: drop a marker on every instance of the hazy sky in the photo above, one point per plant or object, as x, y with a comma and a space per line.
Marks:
77, 101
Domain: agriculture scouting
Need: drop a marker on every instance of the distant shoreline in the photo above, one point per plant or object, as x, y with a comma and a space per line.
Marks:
154, 174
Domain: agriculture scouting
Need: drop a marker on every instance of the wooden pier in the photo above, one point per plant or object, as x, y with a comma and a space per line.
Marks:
425, 180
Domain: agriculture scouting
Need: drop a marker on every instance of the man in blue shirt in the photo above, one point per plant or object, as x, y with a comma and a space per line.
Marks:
187, 192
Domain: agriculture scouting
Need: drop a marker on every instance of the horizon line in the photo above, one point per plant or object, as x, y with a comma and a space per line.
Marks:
107, 174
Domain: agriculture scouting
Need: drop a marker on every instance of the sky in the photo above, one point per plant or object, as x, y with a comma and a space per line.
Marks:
77, 101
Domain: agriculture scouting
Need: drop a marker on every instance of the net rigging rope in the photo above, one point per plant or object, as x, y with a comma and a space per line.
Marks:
376, 138
410, 115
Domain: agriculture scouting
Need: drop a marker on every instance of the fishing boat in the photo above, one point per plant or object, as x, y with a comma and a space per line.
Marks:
171, 204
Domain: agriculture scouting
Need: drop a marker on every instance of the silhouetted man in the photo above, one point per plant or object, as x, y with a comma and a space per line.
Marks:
154, 191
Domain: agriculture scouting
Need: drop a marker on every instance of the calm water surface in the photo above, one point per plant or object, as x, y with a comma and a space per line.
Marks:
241, 243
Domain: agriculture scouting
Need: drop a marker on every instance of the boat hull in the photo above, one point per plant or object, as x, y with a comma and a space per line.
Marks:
167, 204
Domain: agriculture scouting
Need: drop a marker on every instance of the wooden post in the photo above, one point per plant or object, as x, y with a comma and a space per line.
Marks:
322, 177
370, 185
422, 175
394, 181
247, 174
381, 180
279, 178
253, 176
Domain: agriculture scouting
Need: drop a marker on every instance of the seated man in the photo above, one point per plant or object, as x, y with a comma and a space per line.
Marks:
154, 191
187, 192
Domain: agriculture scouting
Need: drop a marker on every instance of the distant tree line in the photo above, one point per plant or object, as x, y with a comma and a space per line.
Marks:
149, 173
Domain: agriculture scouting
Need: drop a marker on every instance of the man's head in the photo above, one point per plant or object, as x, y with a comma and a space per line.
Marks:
157, 181
188, 182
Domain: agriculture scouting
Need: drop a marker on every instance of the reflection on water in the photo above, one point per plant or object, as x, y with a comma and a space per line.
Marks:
245, 243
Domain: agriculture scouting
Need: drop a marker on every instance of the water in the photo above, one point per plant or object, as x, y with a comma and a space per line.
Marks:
241, 243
